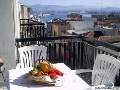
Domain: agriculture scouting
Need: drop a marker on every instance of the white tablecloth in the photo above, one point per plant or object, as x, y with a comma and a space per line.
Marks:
71, 80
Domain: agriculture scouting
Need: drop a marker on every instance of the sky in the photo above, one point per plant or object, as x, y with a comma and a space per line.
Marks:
97, 3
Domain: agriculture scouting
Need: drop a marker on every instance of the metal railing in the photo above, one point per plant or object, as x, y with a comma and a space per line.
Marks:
76, 51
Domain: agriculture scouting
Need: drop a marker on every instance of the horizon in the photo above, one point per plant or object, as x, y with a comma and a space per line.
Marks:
73, 5
95, 3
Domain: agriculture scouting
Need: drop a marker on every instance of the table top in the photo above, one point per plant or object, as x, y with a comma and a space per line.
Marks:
71, 80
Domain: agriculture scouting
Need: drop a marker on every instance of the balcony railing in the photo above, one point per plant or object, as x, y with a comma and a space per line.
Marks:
30, 28
76, 51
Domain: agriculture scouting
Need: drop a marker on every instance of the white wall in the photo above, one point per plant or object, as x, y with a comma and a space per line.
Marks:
83, 26
16, 6
7, 32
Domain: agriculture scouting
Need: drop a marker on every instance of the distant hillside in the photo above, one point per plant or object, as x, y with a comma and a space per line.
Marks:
47, 8
59, 8
108, 9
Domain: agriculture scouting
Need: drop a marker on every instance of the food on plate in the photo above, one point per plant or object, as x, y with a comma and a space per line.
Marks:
45, 69
34, 71
45, 66
54, 73
39, 74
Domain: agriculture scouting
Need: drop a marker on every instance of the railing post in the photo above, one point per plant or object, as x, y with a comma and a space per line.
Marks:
82, 54
43, 28
74, 56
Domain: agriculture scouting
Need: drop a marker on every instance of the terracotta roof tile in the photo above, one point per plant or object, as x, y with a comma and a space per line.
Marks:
118, 33
106, 37
91, 34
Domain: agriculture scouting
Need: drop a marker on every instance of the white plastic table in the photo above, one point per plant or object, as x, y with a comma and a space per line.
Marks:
71, 80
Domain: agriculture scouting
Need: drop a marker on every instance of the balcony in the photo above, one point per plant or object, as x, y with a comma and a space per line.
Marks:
76, 51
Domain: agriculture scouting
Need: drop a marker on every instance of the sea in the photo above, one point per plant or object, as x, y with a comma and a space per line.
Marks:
61, 15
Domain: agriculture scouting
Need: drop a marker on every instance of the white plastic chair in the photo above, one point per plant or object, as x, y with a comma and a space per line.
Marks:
29, 55
104, 70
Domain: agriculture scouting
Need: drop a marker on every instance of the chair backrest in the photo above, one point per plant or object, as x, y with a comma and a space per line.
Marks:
105, 69
29, 55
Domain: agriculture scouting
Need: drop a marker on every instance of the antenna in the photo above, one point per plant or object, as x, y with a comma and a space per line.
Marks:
101, 7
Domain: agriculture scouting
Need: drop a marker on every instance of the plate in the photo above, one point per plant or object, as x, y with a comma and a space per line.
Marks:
45, 79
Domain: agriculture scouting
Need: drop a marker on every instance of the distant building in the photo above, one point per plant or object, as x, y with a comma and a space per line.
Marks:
99, 17
82, 26
49, 28
51, 23
107, 31
74, 17
89, 19
60, 27
24, 12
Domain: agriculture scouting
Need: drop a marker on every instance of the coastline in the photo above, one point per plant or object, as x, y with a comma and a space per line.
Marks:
62, 15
